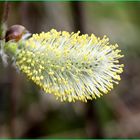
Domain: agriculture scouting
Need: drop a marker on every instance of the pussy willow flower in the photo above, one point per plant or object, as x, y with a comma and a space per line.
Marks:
70, 66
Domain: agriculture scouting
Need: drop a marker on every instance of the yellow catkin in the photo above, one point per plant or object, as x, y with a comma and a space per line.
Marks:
69, 65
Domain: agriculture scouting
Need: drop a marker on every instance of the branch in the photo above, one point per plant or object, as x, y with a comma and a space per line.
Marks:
4, 16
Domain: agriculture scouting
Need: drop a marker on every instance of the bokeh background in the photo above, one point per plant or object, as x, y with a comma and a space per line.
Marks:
27, 112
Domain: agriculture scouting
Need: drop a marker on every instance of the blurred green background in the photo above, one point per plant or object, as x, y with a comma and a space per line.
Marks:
26, 112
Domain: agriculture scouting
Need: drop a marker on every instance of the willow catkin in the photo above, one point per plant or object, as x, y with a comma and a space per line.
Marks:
70, 66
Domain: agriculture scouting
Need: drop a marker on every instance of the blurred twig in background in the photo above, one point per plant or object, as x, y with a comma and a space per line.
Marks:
93, 126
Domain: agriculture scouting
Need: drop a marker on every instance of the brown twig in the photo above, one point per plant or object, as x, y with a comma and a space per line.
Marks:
3, 23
